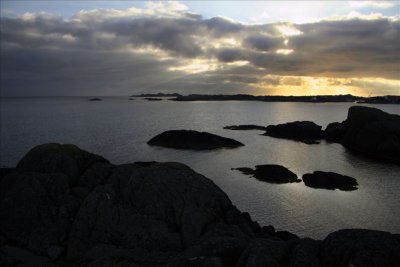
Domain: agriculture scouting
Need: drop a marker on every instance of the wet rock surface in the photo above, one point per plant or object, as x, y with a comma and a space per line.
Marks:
187, 139
304, 131
330, 180
271, 173
63, 208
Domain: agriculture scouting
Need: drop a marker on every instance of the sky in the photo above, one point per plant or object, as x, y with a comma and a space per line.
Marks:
100, 48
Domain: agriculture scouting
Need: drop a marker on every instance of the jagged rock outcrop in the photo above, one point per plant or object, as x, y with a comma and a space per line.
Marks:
368, 131
271, 173
63, 206
303, 131
330, 180
187, 139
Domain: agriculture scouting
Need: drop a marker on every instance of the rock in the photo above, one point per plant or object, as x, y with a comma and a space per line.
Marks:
184, 139
95, 99
304, 131
159, 208
56, 158
152, 99
305, 254
263, 252
14, 256
330, 180
357, 247
33, 208
150, 214
271, 173
285, 235
371, 132
246, 127
54, 252
333, 132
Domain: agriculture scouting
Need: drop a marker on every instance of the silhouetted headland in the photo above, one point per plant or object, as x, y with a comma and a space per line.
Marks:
368, 131
62, 206
330, 180
187, 139
311, 99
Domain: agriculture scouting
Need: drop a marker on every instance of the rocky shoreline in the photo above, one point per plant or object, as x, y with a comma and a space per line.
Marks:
63, 206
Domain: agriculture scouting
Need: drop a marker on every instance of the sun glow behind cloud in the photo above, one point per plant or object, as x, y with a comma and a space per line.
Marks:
355, 52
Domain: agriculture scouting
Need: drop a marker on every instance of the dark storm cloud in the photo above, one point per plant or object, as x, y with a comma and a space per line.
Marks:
106, 52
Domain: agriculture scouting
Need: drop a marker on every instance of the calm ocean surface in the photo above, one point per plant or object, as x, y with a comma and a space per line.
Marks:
118, 129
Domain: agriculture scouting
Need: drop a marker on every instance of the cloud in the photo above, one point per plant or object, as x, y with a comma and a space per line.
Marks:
165, 46
372, 4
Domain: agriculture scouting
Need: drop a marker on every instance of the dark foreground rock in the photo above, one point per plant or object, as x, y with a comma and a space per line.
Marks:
368, 131
184, 139
246, 127
303, 131
271, 173
150, 214
330, 180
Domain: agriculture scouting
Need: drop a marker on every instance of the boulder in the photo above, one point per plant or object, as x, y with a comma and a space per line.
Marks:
304, 131
35, 209
369, 131
334, 132
56, 158
184, 139
264, 252
246, 127
271, 173
357, 247
305, 254
330, 180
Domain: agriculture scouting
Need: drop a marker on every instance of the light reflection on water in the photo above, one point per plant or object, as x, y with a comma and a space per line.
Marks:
118, 129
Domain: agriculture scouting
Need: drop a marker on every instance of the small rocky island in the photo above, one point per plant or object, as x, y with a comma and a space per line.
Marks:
245, 127
63, 206
271, 173
303, 131
94, 99
330, 180
188, 139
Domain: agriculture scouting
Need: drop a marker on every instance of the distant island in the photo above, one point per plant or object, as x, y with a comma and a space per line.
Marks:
389, 99
158, 95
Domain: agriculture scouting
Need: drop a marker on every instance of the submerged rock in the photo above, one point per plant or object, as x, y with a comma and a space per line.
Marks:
246, 127
330, 180
271, 173
184, 139
304, 131
368, 131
